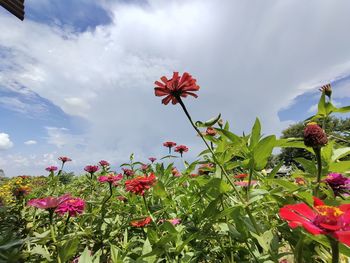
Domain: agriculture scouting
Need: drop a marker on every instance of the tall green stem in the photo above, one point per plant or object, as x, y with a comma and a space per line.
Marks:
335, 249
252, 219
319, 169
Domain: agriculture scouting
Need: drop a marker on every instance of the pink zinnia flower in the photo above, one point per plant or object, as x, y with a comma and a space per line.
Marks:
245, 183
152, 159
320, 219
181, 149
169, 145
48, 202
128, 172
64, 159
175, 172
91, 168
176, 87
140, 184
111, 178
51, 169
339, 183
73, 206
103, 163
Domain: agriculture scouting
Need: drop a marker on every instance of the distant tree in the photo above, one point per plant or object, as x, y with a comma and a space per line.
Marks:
336, 128
66, 178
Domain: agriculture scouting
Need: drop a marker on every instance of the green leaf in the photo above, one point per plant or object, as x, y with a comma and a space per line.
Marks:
208, 123
275, 170
322, 105
85, 256
340, 153
308, 165
339, 167
216, 186
263, 151
68, 249
342, 109
159, 190
39, 250
231, 136
115, 255
255, 134
285, 184
265, 239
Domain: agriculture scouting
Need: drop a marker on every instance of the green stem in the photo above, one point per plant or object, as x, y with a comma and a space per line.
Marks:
221, 167
66, 224
319, 169
335, 249
249, 182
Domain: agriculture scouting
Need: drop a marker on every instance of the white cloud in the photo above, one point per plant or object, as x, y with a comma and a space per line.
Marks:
251, 58
5, 142
30, 142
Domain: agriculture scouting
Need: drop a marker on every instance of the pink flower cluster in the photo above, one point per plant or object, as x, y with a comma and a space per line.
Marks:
110, 178
61, 205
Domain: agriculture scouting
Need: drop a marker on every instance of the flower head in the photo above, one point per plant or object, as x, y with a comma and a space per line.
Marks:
300, 181
103, 163
240, 176
176, 87
48, 202
144, 167
152, 159
64, 159
327, 90
22, 191
210, 131
314, 136
91, 168
339, 183
110, 178
175, 172
140, 184
142, 222
72, 206
128, 172
245, 183
205, 168
181, 149
320, 219
51, 168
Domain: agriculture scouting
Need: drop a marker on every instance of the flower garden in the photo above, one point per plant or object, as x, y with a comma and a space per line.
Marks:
223, 207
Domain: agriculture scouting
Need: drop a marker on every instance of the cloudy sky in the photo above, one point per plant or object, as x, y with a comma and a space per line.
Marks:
76, 77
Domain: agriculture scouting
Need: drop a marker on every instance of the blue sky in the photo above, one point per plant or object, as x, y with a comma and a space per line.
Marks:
76, 77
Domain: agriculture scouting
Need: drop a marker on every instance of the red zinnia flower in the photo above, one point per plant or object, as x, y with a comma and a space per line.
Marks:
91, 168
152, 159
240, 176
181, 149
314, 136
128, 172
142, 222
176, 87
48, 202
51, 169
320, 219
140, 184
64, 159
103, 163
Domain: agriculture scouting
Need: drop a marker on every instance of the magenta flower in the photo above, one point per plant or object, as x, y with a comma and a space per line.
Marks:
175, 221
51, 169
245, 183
339, 183
152, 159
103, 163
91, 168
64, 159
48, 202
72, 206
111, 178
181, 149
128, 172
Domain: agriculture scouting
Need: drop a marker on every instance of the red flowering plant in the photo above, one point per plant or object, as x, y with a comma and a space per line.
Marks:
181, 149
140, 184
105, 166
91, 169
169, 145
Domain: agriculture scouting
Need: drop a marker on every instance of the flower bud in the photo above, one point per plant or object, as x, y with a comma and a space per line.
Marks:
314, 136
